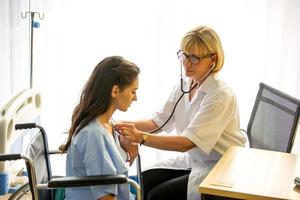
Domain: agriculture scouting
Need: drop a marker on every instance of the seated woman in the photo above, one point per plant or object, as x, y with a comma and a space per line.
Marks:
92, 146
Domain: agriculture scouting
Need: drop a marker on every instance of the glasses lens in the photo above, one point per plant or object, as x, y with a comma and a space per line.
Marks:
194, 60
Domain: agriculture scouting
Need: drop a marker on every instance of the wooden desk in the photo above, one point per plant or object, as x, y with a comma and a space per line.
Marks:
246, 173
4, 197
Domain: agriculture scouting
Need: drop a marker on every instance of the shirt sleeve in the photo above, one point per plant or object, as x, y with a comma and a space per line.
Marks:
97, 161
210, 122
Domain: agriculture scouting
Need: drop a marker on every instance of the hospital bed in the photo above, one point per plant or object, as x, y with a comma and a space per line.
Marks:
23, 107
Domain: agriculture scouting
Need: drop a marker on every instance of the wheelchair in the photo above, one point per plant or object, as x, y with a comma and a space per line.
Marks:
41, 184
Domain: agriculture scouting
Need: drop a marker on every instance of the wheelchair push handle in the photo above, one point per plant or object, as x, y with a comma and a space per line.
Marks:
25, 126
8, 157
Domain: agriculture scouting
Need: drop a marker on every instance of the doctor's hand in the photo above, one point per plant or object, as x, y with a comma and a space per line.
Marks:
130, 148
130, 132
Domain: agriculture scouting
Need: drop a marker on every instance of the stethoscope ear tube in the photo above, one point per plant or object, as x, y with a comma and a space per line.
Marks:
183, 93
157, 129
188, 91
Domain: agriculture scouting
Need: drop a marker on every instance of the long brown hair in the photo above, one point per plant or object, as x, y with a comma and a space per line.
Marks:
96, 96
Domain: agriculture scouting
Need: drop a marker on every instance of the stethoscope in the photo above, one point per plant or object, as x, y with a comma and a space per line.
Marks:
183, 93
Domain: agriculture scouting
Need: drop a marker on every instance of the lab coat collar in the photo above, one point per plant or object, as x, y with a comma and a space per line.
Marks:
208, 83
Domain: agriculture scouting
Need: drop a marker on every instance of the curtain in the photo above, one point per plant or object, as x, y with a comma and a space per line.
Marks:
14, 71
260, 39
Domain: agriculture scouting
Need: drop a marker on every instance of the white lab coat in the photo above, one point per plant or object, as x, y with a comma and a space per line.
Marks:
210, 120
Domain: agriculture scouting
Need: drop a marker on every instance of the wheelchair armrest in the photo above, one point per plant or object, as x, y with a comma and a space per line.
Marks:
75, 181
55, 152
8, 157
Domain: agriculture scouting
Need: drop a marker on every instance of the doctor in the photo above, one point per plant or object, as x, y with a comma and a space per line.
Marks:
206, 121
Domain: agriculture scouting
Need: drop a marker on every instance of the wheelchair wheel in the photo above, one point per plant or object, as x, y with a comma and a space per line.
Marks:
23, 193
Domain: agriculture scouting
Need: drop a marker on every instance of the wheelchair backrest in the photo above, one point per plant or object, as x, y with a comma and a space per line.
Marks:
38, 152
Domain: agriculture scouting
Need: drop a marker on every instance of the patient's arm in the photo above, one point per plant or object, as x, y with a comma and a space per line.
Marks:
130, 148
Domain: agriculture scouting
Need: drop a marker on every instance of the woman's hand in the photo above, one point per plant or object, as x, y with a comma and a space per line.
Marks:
130, 148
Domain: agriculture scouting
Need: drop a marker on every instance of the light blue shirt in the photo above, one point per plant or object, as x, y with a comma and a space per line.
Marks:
94, 151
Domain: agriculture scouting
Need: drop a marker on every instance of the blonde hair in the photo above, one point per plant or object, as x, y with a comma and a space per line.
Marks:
203, 41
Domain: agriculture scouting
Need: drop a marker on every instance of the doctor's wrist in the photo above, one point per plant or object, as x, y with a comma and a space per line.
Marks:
144, 138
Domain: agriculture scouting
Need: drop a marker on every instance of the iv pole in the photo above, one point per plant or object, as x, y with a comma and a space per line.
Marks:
32, 24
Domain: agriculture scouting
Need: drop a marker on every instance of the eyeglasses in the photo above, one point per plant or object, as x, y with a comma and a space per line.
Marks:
193, 59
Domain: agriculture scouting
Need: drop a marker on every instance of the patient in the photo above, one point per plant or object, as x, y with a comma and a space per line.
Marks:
92, 146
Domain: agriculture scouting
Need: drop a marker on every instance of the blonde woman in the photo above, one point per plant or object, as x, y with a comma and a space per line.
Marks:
206, 121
